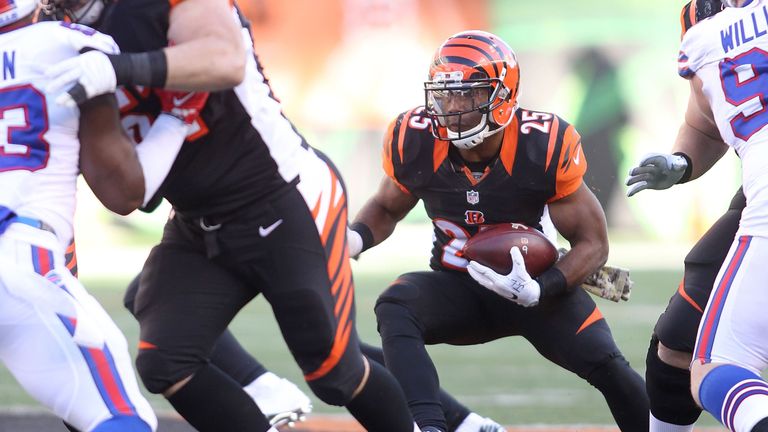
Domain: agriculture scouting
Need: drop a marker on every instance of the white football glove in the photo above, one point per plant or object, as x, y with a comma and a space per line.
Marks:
517, 286
656, 171
81, 78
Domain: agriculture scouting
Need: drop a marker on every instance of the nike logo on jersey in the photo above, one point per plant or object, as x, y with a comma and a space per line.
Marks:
577, 158
268, 230
179, 101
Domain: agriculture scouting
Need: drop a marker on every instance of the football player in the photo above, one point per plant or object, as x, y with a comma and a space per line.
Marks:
726, 71
257, 211
668, 379
55, 338
475, 158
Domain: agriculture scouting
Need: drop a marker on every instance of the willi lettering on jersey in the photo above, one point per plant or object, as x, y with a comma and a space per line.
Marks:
739, 33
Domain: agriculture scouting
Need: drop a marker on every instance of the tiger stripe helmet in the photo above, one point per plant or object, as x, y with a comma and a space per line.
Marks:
481, 68
697, 10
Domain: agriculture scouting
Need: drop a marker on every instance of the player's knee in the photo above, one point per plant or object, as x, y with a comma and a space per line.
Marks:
123, 423
395, 320
669, 388
674, 358
157, 371
336, 390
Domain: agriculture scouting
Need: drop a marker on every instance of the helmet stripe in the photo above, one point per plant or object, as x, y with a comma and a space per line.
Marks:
488, 41
480, 50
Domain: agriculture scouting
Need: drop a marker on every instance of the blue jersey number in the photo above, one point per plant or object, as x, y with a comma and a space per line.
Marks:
745, 79
23, 121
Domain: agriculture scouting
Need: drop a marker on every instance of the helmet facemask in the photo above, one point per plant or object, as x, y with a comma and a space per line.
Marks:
461, 109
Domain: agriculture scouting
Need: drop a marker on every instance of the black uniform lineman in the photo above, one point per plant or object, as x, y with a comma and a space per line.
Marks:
258, 211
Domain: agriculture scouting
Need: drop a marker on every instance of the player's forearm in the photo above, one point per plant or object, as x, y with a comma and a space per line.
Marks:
702, 148
380, 222
583, 259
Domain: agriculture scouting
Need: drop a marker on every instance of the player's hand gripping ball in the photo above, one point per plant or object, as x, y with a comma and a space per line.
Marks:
491, 246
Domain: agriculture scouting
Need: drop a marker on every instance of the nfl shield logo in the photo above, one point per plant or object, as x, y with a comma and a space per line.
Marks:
473, 197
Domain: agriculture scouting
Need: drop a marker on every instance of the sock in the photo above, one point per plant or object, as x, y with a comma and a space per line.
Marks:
735, 396
471, 423
453, 410
213, 402
380, 406
669, 391
624, 390
657, 425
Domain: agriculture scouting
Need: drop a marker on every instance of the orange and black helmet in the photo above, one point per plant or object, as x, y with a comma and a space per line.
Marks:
480, 67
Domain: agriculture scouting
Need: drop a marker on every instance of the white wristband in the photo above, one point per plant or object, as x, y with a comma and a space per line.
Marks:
355, 243
158, 151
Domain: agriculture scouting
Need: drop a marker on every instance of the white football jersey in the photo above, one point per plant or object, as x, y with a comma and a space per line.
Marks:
729, 53
39, 147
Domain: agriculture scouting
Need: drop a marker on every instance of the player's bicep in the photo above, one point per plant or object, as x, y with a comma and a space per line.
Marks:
108, 159
698, 114
579, 217
393, 199
201, 30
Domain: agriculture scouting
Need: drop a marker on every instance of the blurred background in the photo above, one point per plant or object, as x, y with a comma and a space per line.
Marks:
345, 68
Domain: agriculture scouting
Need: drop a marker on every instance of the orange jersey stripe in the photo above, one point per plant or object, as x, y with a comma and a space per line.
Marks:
594, 317
439, 153
552, 141
509, 146
571, 166
401, 134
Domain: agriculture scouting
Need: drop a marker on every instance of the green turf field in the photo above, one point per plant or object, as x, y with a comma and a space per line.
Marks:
505, 379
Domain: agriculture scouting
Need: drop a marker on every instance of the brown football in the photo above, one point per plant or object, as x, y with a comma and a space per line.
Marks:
491, 246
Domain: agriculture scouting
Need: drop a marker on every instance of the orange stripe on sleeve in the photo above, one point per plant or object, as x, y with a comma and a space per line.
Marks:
509, 145
552, 141
401, 134
439, 153
686, 297
571, 166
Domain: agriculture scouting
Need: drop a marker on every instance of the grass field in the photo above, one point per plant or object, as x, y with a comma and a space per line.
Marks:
505, 379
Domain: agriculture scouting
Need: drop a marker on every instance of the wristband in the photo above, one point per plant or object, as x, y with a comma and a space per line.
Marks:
365, 233
145, 69
552, 282
688, 168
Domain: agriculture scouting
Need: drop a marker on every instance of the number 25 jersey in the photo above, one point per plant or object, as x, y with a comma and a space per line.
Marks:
729, 53
540, 161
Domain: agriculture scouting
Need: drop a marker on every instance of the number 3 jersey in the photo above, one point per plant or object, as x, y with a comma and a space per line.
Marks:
540, 161
729, 53
39, 148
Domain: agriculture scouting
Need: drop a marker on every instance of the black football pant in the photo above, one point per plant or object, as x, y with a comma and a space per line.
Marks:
436, 307
195, 281
668, 386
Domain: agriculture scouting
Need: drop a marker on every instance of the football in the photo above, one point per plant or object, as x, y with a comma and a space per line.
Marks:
491, 246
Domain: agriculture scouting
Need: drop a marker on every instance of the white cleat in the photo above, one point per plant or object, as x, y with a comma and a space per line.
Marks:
279, 399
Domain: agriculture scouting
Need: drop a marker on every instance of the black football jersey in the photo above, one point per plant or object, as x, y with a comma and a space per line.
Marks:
242, 150
540, 161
